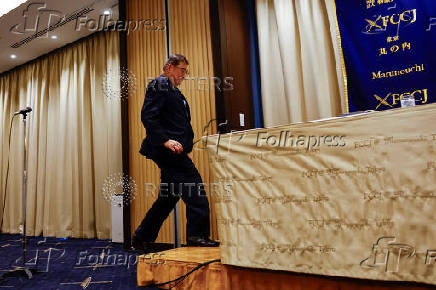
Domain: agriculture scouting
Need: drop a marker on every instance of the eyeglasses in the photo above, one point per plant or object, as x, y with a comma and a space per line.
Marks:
184, 70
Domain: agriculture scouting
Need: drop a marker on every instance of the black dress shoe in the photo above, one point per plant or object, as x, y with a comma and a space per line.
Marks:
140, 246
201, 242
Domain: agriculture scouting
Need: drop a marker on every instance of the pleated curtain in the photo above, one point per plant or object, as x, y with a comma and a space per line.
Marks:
300, 61
74, 140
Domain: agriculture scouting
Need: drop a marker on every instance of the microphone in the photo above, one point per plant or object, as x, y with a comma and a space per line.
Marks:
23, 111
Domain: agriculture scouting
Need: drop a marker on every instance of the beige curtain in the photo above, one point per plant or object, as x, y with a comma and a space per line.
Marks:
300, 61
74, 140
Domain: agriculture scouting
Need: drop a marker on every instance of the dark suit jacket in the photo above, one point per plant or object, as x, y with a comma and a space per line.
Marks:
165, 115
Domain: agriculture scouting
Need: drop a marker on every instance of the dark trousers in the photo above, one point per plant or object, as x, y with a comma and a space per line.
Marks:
179, 178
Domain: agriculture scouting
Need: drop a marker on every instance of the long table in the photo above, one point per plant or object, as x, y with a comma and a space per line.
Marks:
352, 197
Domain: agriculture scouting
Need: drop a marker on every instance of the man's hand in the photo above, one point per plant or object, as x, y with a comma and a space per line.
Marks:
174, 146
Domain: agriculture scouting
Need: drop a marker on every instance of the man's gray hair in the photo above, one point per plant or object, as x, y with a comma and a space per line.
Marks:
175, 59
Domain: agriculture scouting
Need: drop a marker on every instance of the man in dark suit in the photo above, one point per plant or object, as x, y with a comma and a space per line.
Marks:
167, 119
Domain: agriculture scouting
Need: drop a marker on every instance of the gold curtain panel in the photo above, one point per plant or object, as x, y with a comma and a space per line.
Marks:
74, 139
348, 196
146, 53
191, 36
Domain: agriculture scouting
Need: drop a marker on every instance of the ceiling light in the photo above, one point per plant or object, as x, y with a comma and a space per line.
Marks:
13, 56
7, 6
54, 37
107, 12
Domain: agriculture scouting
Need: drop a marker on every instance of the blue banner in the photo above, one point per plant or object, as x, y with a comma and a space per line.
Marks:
389, 49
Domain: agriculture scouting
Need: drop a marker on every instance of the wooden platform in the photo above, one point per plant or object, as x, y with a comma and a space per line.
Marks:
168, 265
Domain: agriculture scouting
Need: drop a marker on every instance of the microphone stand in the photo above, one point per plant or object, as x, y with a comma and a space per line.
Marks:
23, 270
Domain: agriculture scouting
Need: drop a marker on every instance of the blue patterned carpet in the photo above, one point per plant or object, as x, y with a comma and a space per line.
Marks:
68, 264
